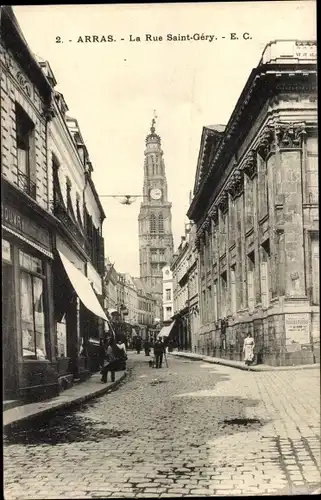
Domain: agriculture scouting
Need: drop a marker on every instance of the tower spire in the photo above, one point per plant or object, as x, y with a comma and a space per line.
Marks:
152, 128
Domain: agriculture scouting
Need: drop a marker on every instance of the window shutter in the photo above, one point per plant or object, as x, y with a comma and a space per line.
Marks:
101, 254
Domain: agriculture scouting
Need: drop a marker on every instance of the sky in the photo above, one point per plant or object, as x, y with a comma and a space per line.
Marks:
113, 88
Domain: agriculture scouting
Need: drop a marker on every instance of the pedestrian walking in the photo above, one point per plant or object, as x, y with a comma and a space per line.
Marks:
248, 349
147, 347
120, 353
138, 344
110, 363
159, 351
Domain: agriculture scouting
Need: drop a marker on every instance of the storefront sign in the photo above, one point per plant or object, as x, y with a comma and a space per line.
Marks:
297, 330
13, 219
94, 278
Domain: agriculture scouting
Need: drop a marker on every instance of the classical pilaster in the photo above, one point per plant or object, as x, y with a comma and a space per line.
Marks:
289, 137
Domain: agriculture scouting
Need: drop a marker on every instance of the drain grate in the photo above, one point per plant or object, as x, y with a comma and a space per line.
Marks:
241, 421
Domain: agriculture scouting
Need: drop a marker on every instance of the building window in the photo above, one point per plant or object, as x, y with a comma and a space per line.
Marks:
168, 294
312, 172
250, 281
32, 307
315, 270
232, 221
203, 305
209, 304
161, 254
233, 290
152, 223
265, 269
248, 202
25, 147
215, 301
223, 294
161, 223
263, 186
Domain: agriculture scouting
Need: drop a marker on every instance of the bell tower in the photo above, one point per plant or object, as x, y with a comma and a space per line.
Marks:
155, 218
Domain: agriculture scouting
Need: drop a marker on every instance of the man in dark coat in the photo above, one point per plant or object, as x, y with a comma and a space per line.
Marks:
159, 351
147, 347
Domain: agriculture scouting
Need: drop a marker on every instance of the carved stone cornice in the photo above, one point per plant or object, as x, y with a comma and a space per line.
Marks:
249, 165
206, 225
289, 135
267, 142
222, 202
236, 184
49, 112
213, 214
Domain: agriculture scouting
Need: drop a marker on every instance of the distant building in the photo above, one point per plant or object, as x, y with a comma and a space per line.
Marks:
146, 308
168, 299
255, 207
180, 268
110, 285
127, 298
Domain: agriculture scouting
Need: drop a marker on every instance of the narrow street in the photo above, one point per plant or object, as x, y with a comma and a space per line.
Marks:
189, 429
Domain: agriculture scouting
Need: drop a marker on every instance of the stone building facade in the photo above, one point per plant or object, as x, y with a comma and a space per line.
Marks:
51, 260
193, 295
255, 206
28, 341
180, 268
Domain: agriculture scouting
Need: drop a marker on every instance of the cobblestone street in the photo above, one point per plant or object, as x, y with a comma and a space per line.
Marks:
188, 430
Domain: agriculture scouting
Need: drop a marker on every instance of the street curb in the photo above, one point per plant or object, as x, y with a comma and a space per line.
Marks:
67, 404
255, 368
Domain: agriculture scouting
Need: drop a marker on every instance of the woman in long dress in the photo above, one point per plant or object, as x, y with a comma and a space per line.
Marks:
248, 349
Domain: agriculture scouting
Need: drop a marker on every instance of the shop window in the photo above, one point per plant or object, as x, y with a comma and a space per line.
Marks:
62, 339
32, 307
25, 151
6, 251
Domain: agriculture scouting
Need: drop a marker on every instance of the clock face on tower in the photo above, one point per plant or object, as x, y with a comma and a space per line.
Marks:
156, 194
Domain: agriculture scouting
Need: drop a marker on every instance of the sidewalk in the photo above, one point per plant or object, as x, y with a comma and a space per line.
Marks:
77, 394
240, 364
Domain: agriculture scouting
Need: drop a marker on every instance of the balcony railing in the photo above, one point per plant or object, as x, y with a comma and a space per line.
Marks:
26, 184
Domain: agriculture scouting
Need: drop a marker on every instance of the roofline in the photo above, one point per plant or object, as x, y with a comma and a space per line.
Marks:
31, 65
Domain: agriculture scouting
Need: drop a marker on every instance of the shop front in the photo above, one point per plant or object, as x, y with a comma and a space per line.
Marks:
78, 313
29, 370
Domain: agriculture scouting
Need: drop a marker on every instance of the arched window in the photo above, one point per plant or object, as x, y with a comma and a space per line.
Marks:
160, 223
152, 223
